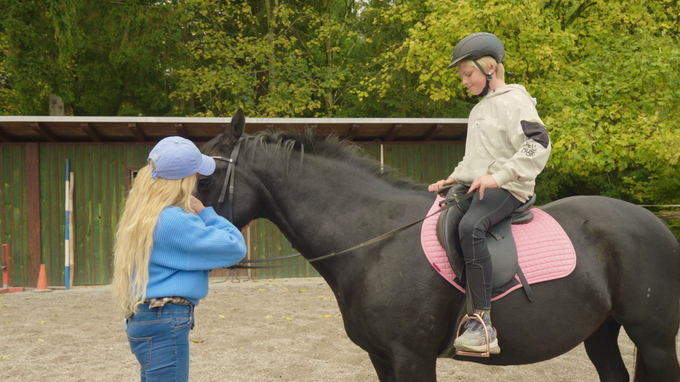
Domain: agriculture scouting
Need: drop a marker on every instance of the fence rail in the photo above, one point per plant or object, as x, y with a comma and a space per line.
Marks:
667, 215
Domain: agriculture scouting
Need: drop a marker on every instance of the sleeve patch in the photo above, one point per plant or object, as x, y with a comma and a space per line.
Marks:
537, 132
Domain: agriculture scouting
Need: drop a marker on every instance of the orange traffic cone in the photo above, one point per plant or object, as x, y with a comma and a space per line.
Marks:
42, 280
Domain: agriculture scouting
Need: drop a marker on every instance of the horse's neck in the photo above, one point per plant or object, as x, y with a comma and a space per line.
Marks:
323, 209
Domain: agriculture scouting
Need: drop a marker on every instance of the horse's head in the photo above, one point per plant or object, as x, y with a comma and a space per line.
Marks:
229, 190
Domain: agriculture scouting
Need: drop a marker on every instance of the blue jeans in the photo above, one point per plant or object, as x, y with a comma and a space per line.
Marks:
159, 338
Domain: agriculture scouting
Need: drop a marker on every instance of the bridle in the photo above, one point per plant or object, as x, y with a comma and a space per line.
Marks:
229, 184
229, 180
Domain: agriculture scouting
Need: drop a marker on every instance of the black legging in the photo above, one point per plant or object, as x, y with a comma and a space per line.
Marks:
482, 214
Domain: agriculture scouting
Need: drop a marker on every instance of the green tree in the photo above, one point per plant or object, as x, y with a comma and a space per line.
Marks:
100, 57
399, 93
7, 93
29, 54
605, 75
272, 57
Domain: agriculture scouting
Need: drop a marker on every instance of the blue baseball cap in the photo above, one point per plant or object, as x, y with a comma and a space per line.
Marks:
177, 158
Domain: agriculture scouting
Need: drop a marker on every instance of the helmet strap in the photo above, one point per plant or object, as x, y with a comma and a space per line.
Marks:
488, 79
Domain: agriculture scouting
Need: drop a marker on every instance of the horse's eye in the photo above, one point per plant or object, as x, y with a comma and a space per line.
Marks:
203, 184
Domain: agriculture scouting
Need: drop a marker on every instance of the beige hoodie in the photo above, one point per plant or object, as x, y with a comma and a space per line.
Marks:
506, 139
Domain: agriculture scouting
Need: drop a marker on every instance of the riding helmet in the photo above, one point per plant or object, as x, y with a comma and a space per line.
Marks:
476, 46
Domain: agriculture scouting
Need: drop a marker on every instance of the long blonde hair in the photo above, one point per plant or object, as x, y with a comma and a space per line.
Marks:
134, 234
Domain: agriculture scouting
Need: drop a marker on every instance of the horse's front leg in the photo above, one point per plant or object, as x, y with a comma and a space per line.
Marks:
405, 366
382, 368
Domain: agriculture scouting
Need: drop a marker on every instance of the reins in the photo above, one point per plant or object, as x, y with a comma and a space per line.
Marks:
229, 184
447, 204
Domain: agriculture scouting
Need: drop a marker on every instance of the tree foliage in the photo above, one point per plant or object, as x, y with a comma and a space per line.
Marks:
7, 93
100, 57
271, 57
605, 74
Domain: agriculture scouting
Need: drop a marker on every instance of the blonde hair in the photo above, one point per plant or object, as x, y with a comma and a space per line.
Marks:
134, 234
486, 62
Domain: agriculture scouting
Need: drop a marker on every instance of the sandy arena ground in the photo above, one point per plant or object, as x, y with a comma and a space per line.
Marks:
264, 330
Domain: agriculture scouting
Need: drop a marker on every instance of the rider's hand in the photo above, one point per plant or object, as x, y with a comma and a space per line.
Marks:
483, 182
196, 204
434, 187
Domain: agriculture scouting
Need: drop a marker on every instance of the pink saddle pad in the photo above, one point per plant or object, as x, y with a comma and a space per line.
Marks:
543, 248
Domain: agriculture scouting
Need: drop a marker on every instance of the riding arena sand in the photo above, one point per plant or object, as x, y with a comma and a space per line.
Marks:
249, 330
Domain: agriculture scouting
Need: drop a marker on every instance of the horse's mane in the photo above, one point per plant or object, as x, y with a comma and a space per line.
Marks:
307, 142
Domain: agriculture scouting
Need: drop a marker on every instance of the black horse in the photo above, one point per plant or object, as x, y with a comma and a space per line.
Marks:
326, 198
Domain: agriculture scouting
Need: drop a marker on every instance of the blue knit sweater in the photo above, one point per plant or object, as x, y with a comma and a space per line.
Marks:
186, 247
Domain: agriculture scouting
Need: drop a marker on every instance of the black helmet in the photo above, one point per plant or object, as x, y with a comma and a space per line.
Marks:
476, 46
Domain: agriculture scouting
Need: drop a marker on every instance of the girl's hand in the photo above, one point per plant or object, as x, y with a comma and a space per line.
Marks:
483, 182
196, 204
434, 187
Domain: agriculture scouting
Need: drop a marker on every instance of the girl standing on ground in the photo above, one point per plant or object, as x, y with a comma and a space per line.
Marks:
166, 243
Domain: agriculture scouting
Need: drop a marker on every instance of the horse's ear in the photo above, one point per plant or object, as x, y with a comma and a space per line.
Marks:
237, 125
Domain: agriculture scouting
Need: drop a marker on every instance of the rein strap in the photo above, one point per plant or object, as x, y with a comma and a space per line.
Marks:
398, 230
448, 204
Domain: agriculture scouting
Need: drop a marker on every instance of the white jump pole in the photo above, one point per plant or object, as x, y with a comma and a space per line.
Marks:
70, 231
67, 248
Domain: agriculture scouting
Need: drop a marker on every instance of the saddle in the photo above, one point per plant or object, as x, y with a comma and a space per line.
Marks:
499, 240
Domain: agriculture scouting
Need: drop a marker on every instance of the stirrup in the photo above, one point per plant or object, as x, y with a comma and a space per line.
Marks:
476, 317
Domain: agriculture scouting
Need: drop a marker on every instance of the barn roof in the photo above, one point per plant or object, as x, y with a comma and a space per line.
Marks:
153, 129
